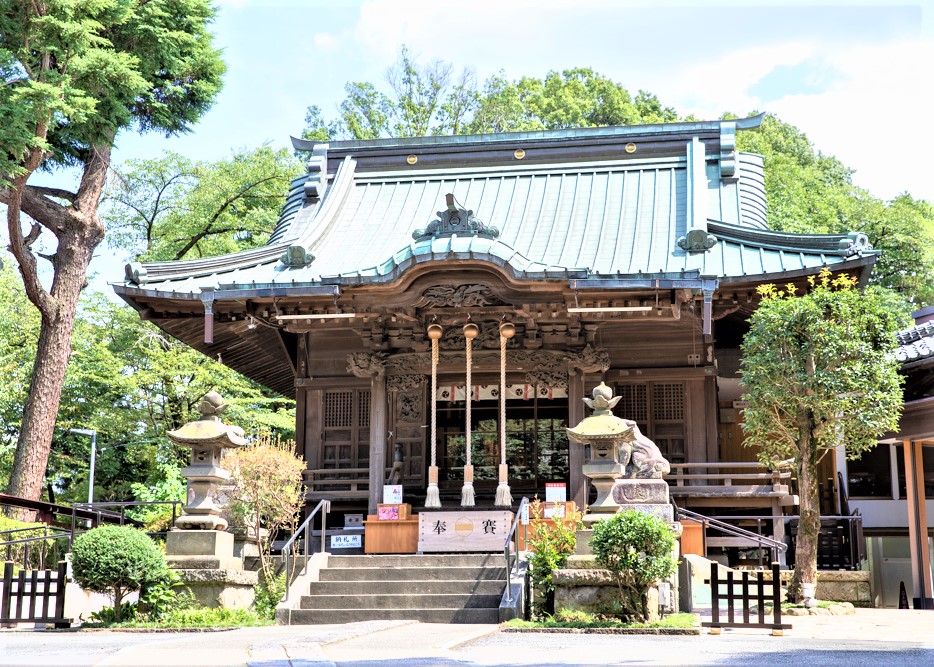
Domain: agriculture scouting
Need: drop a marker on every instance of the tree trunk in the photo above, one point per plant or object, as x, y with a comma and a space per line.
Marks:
78, 230
809, 524
118, 604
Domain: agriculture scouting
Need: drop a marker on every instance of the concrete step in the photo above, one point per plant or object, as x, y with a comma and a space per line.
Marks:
415, 587
417, 560
412, 573
451, 615
401, 601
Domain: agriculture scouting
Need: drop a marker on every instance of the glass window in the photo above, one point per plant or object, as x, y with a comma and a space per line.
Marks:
870, 476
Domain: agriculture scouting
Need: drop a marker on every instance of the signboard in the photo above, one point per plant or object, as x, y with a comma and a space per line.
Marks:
740, 404
556, 492
392, 494
465, 530
346, 541
524, 517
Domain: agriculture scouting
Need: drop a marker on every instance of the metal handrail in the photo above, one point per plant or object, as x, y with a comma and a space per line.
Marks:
735, 531
506, 546
287, 547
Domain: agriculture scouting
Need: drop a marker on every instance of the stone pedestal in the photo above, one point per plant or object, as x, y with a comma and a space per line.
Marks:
583, 586
205, 562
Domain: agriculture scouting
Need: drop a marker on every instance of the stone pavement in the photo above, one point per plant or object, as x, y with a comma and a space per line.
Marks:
872, 636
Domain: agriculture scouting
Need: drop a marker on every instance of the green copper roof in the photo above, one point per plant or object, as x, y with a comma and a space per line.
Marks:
588, 203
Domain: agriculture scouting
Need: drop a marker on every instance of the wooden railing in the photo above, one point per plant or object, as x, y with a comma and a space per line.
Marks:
27, 596
339, 483
727, 479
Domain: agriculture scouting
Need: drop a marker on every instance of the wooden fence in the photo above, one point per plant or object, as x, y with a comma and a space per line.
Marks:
749, 592
27, 597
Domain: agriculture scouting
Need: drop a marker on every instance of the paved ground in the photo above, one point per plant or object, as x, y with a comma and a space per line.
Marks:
872, 637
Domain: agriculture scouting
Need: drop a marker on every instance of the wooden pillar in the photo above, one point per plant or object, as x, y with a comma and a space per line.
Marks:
577, 490
917, 524
378, 433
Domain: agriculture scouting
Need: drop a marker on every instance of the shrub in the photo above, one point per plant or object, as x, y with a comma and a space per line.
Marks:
116, 560
267, 595
549, 546
267, 492
637, 548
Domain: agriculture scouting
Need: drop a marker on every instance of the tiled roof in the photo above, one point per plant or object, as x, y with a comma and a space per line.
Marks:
916, 344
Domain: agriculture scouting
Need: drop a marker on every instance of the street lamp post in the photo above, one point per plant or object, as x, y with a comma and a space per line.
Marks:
91, 432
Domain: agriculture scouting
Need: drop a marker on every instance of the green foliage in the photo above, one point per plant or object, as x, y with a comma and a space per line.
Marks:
425, 99
819, 369
171, 208
158, 597
35, 555
809, 192
637, 548
131, 382
90, 69
116, 560
267, 595
129, 612
549, 544
187, 617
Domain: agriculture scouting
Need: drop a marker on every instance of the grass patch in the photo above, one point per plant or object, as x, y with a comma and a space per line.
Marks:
194, 618
585, 620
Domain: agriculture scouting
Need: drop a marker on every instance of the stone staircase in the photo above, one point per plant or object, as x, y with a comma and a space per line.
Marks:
437, 588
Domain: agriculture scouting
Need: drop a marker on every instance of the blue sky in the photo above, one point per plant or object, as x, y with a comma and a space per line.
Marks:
855, 76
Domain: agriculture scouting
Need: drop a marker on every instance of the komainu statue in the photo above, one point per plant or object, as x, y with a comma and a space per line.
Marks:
646, 461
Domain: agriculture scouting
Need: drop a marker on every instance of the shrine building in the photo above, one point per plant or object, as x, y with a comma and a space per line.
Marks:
628, 255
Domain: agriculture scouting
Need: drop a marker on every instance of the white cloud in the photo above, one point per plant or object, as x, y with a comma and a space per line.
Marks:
875, 117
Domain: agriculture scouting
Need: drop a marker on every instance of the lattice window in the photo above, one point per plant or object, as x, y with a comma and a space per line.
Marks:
633, 402
668, 401
338, 409
363, 409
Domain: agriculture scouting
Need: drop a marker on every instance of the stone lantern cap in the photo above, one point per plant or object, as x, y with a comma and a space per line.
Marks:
602, 426
209, 430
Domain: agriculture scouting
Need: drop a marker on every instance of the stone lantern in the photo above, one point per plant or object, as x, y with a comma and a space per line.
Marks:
207, 437
198, 547
610, 441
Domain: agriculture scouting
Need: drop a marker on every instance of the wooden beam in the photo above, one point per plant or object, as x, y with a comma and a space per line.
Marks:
917, 523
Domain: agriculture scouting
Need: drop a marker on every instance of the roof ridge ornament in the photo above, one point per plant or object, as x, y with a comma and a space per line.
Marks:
697, 240
855, 243
296, 257
455, 221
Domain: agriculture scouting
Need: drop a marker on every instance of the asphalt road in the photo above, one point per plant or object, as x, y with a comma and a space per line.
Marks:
381, 644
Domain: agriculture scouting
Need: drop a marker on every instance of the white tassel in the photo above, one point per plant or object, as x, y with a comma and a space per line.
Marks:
503, 494
467, 493
433, 498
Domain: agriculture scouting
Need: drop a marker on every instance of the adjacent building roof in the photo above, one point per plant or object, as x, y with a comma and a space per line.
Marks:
916, 345
556, 205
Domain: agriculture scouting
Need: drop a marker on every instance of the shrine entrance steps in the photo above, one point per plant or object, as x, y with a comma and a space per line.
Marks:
437, 588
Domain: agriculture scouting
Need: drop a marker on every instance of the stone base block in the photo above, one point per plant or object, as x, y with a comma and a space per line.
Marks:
204, 563
663, 511
640, 491
199, 543
596, 591
230, 589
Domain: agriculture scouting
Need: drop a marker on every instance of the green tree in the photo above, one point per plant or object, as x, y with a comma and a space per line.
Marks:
130, 382
809, 192
819, 372
170, 208
423, 99
75, 74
